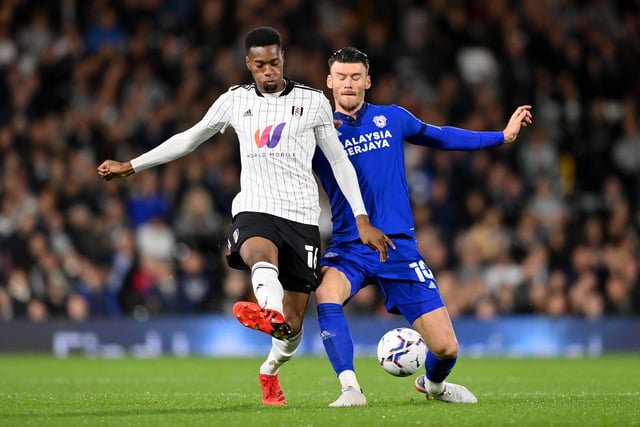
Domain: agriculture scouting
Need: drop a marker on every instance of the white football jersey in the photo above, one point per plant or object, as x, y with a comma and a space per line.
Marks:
277, 143
278, 135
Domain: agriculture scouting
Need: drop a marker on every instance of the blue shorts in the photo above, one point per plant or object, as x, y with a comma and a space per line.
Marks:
406, 283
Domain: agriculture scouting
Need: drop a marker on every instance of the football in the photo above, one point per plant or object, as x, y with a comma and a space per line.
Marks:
401, 352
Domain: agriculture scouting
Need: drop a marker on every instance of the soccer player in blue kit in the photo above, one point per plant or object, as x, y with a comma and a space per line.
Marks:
373, 137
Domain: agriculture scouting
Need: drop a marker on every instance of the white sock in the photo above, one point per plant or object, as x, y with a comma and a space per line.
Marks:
348, 379
433, 388
266, 286
281, 352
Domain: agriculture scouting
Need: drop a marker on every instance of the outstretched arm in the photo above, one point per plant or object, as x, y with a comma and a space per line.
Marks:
453, 138
177, 146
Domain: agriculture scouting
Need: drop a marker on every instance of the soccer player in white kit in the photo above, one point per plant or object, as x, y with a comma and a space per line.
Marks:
274, 233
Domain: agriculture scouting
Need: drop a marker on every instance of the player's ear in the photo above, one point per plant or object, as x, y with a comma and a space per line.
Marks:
329, 81
367, 82
246, 61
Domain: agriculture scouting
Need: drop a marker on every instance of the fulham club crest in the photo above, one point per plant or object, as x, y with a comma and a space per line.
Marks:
296, 111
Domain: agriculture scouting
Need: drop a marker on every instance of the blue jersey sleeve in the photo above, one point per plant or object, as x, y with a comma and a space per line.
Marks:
446, 137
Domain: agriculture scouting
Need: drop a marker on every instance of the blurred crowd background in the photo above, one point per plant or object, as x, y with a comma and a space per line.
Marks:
546, 226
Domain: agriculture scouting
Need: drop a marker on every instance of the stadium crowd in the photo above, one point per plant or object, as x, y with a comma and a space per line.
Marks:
549, 225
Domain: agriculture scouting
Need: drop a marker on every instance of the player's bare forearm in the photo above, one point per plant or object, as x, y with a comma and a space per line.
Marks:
374, 238
522, 117
110, 169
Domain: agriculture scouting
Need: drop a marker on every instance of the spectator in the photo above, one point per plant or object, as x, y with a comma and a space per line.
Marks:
147, 201
6, 306
155, 239
91, 285
106, 34
198, 223
19, 291
196, 292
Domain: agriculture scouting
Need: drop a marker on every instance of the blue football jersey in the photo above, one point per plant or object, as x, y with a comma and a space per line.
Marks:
374, 143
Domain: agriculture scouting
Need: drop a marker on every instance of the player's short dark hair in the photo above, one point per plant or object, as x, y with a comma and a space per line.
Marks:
349, 55
262, 36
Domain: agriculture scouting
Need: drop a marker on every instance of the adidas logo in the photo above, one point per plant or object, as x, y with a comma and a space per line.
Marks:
247, 113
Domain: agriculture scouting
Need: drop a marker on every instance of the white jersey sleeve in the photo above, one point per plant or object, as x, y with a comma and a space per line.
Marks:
345, 174
183, 143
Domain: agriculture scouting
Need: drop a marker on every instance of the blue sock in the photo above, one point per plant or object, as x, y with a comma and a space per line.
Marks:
438, 369
336, 336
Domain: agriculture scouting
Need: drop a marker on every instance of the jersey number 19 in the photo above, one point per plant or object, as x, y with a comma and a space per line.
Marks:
422, 271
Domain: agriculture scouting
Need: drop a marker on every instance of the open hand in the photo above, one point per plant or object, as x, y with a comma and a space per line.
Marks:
520, 118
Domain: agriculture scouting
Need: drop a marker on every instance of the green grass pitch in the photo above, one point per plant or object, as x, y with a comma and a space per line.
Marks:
38, 390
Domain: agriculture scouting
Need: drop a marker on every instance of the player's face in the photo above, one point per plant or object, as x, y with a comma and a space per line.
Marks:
348, 81
266, 66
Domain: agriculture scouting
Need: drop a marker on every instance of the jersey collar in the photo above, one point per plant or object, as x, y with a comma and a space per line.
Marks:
288, 87
353, 121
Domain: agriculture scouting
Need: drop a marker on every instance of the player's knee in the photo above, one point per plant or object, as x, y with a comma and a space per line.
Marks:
252, 258
331, 292
446, 349
334, 288
258, 249
324, 294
